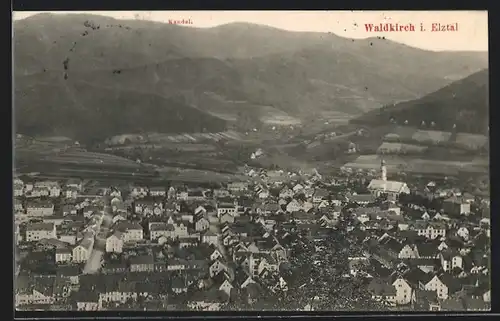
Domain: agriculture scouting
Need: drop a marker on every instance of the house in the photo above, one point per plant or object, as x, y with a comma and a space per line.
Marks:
159, 229
227, 208
382, 291
188, 241
139, 191
39, 208
450, 260
221, 193
38, 231
267, 208
320, 195
392, 189
74, 183
207, 300
179, 285
196, 194
180, 227
463, 232
132, 232
428, 250
157, 191
452, 304
118, 218
69, 209
142, 263
81, 252
202, 224
226, 287
63, 255
200, 211
69, 272
149, 206
114, 243
294, 206
216, 267
18, 187
53, 187
210, 237
430, 230
475, 304
226, 218
111, 267
361, 199
298, 188
456, 206
286, 192
263, 194
176, 265
444, 286
71, 193
215, 255
404, 291
237, 186
43, 290
86, 300
28, 186
408, 252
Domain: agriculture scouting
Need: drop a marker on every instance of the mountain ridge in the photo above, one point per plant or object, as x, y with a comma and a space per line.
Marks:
463, 103
303, 75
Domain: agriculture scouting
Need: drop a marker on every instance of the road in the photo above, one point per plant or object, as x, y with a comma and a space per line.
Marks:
215, 228
99, 231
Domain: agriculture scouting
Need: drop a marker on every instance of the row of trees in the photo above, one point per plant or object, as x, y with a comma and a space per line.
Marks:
320, 279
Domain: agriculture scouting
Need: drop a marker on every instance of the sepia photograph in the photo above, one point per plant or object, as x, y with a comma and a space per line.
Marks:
251, 161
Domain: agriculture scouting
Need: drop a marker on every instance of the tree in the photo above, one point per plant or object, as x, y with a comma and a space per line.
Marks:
321, 279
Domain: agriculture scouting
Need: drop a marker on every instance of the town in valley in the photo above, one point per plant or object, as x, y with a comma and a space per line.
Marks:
420, 245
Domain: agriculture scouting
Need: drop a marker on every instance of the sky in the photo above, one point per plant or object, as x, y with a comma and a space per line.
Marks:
471, 35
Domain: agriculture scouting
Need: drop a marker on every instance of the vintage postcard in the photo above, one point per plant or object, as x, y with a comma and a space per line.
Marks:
239, 161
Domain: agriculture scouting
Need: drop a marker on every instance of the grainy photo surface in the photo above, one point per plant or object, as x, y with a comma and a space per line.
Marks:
218, 161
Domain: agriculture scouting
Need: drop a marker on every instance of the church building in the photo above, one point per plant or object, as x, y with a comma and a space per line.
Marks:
382, 186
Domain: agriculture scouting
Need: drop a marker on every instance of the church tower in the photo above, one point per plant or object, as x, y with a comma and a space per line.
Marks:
383, 171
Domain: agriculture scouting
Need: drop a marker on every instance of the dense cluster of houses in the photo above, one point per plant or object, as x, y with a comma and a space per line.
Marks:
173, 247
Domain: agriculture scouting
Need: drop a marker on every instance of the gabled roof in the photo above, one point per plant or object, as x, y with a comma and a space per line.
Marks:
388, 186
415, 276
427, 249
451, 282
380, 287
142, 259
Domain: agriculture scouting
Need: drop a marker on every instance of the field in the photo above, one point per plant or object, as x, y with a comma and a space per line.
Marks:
432, 136
387, 147
90, 158
159, 138
410, 164
411, 135
202, 176
471, 141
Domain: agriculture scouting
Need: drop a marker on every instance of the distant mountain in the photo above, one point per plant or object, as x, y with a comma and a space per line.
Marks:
219, 71
463, 103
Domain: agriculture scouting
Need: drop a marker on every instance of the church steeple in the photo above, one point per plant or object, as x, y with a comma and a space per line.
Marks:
383, 170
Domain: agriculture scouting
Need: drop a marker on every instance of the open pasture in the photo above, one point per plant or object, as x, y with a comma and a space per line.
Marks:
431, 136
396, 148
471, 141
192, 137
89, 158
425, 166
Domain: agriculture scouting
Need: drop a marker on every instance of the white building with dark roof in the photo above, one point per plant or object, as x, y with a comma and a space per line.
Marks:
38, 231
382, 186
